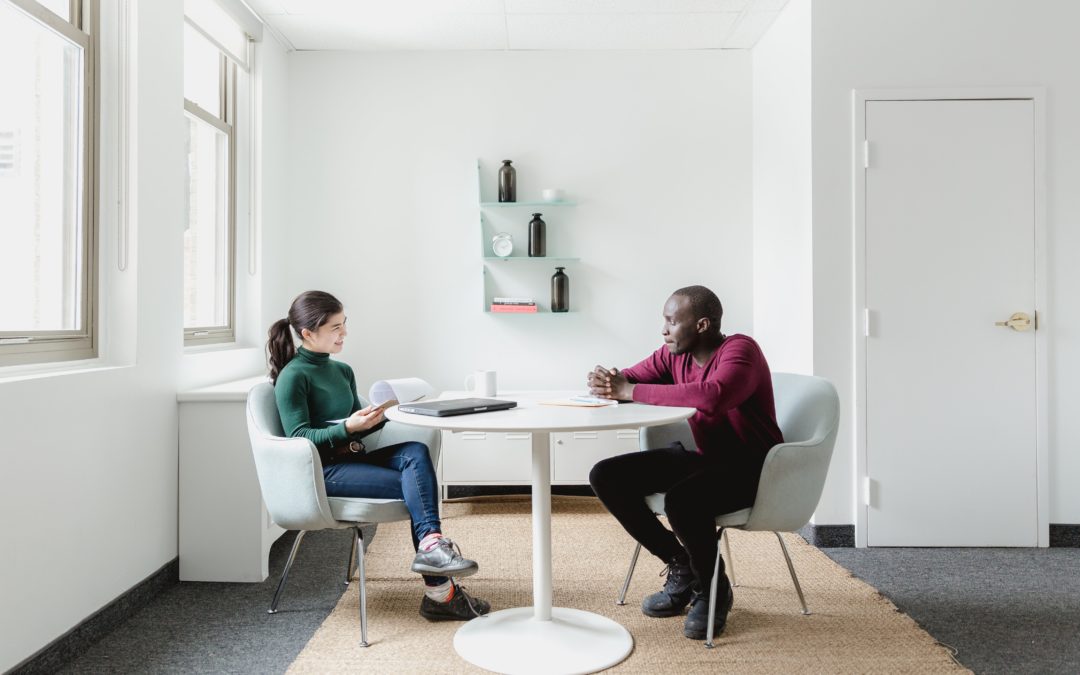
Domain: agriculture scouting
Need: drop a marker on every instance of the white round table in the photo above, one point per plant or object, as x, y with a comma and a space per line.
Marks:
542, 638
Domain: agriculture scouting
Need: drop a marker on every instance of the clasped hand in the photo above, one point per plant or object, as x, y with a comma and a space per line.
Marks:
609, 383
364, 419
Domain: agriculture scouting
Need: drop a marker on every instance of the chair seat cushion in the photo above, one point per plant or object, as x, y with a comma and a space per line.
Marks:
733, 519
367, 510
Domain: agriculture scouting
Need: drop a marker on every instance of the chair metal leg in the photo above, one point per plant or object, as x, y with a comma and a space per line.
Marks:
358, 542
285, 573
352, 557
629, 574
730, 567
791, 569
712, 601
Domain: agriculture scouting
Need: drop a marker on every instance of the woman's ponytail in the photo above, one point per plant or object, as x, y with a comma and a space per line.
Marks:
280, 347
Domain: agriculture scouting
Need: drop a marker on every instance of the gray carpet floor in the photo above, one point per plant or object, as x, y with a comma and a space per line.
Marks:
1002, 610
224, 628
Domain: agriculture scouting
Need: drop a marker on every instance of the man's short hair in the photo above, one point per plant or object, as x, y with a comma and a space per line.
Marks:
704, 304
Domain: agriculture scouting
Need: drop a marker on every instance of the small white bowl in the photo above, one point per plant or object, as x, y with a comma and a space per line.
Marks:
553, 194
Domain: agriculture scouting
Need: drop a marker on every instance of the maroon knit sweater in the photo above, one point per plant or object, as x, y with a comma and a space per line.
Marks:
732, 393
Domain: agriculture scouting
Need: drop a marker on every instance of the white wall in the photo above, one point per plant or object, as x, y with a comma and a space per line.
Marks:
656, 147
783, 277
88, 462
926, 43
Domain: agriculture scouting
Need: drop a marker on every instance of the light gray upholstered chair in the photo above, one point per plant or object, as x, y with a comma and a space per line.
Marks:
792, 478
291, 478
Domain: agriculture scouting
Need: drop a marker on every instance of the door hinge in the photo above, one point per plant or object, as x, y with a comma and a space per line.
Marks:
866, 154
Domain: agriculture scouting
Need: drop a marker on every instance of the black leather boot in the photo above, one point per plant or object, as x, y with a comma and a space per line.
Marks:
697, 619
673, 598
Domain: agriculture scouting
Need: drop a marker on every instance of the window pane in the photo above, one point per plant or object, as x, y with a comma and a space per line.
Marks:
202, 72
41, 141
206, 240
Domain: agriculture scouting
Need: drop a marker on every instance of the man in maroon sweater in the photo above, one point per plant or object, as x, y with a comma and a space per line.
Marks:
727, 379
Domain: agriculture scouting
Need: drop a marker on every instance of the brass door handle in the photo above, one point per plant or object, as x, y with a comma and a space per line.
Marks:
1018, 322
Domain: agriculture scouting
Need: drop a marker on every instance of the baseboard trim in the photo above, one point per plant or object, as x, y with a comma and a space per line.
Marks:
1064, 536
63, 649
843, 536
829, 536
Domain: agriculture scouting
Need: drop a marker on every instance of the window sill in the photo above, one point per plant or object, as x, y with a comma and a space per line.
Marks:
195, 350
38, 371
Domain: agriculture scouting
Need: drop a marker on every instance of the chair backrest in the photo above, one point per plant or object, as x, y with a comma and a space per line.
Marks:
289, 469
793, 476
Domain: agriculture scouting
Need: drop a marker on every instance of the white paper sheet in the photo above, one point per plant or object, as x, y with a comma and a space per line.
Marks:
403, 390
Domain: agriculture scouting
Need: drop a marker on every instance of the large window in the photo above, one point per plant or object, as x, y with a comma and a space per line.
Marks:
211, 45
47, 152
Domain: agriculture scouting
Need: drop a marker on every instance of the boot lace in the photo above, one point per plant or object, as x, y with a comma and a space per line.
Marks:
468, 600
678, 576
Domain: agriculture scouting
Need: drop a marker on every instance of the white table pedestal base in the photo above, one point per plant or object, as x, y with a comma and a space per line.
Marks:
514, 641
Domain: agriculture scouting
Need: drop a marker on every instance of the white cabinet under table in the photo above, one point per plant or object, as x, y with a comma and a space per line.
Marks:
494, 458
225, 531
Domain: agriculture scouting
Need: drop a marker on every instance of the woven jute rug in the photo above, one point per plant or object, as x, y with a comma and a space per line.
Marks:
852, 628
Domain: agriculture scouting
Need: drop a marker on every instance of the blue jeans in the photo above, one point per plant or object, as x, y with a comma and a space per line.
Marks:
403, 471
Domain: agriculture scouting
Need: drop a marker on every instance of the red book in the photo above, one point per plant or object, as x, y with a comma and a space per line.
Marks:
513, 309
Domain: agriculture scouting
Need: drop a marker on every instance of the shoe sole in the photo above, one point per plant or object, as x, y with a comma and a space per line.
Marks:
446, 571
443, 617
663, 614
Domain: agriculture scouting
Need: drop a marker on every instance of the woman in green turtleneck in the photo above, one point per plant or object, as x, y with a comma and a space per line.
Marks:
311, 389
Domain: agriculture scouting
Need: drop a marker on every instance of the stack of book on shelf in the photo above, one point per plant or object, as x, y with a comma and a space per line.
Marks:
514, 305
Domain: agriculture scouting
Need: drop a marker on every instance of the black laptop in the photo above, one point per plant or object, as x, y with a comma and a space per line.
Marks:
457, 406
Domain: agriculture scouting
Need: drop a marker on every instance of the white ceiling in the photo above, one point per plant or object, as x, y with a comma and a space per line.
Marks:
369, 25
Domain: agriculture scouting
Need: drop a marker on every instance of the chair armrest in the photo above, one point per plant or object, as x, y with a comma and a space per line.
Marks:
291, 480
663, 435
791, 483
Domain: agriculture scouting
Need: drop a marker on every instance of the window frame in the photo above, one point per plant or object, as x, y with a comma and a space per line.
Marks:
27, 347
224, 121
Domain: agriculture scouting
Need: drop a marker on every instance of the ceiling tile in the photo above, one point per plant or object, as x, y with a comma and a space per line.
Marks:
426, 32
622, 6
749, 30
619, 31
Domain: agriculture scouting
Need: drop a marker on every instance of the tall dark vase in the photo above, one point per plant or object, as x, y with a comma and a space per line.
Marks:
537, 237
507, 182
560, 291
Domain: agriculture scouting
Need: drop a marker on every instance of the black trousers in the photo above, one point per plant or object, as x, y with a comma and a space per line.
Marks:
698, 489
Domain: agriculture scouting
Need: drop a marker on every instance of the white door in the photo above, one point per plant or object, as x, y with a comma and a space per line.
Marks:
950, 250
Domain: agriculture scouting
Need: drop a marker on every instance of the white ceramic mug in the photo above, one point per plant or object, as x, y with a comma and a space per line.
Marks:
481, 383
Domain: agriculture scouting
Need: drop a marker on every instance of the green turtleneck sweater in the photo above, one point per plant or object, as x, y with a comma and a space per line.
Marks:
312, 389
